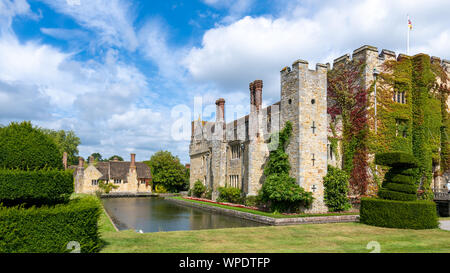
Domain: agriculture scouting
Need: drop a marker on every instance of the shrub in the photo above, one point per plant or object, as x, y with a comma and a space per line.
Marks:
208, 194
159, 188
199, 189
280, 190
398, 214
336, 184
168, 171
106, 187
41, 187
283, 194
50, 229
229, 194
24, 147
252, 201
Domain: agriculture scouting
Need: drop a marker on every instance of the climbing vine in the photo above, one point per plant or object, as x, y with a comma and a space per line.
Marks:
349, 101
412, 117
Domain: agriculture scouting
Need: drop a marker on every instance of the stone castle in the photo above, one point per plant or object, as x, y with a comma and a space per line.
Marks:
235, 153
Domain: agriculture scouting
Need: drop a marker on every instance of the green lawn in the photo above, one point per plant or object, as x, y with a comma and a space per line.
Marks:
345, 237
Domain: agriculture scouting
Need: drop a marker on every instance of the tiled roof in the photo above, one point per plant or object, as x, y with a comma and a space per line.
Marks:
120, 169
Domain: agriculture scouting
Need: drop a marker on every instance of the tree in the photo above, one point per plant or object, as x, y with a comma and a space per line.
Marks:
97, 157
119, 158
279, 189
24, 147
167, 170
67, 142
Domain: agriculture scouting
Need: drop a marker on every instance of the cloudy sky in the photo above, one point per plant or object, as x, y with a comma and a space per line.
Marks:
124, 75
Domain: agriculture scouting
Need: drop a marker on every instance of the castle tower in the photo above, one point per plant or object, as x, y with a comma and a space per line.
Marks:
304, 103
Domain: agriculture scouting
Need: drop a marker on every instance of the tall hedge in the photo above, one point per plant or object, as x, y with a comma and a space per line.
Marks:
40, 187
50, 229
24, 147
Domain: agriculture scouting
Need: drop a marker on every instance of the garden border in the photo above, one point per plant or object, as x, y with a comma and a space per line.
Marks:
269, 220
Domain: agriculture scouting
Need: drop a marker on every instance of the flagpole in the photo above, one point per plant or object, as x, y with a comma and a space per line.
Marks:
407, 39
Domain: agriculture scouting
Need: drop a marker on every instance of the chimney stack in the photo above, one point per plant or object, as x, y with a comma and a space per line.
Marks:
133, 161
80, 162
256, 95
64, 159
220, 109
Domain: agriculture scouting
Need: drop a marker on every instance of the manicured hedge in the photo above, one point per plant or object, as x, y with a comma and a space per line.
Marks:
41, 187
50, 229
27, 148
398, 214
402, 160
395, 195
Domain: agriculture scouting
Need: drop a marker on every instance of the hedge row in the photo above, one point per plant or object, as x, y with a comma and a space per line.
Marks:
395, 195
50, 229
398, 214
41, 187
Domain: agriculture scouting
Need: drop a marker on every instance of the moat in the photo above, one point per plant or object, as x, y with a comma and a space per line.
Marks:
156, 214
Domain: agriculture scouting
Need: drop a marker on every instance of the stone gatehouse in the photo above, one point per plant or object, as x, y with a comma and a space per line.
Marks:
235, 153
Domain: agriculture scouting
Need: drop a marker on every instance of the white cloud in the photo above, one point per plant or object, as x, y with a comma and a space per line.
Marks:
111, 20
251, 48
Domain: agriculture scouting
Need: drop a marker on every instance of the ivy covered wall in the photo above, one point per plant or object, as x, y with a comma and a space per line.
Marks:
412, 117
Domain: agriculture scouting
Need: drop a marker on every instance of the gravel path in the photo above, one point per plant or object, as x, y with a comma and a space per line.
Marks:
445, 225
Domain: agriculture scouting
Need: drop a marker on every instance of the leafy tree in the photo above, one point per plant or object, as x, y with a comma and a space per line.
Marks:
167, 170
24, 147
187, 179
97, 157
119, 158
67, 142
279, 189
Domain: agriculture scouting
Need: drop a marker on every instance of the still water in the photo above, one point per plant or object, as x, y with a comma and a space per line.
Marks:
156, 214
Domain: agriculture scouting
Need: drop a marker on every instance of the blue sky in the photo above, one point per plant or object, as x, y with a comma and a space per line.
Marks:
124, 74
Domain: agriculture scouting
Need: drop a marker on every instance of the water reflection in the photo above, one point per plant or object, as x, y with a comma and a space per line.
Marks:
156, 214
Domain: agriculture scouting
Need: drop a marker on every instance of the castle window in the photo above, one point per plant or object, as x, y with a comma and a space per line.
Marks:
143, 181
399, 97
117, 181
235, 151
401, 127
94, 182
290, 101
313, 101
234, 181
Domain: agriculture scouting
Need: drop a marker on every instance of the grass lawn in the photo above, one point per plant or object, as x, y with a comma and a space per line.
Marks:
344, 237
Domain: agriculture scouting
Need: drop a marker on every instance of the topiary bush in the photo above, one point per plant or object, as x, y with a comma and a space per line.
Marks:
50, 229
27, 148
397, 205
41, 187
199, 189
230, 195
336, 184
398, 214
399, 181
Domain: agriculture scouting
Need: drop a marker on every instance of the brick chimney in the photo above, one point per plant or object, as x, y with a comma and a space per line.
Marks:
220, 109
80, 162
64, 160
256, 95
133, 161
91, 160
